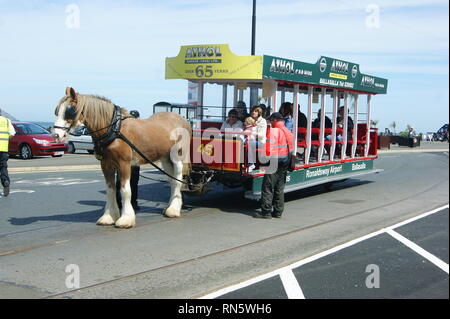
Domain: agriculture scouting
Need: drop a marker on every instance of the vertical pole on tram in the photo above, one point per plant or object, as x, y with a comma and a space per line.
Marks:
200, 98
274, 96
334, 121
345, 129
369, 110
235, 95
355, 126
224, 101
308, 129
295, 110
322, 125
283, 96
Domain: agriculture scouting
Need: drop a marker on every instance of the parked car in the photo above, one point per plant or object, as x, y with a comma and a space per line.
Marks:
34, 140
442, 134
80, 139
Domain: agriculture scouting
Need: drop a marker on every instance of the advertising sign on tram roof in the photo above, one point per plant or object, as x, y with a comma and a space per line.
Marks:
216, 62
328, 72
212, 61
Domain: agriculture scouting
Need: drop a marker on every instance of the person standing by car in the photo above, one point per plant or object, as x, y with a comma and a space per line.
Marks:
134, 179
6, 131
277, 147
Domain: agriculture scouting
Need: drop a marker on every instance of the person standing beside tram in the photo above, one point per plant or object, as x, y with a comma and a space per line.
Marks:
6, 131
277, 148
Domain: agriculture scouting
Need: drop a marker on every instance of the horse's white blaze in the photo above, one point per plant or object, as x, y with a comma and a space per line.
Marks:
62, 134
128, 218
111, 213
175, 202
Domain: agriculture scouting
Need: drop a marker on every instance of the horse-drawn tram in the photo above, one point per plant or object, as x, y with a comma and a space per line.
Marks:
330, 149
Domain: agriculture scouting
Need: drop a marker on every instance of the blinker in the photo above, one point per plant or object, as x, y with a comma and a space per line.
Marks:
70, 113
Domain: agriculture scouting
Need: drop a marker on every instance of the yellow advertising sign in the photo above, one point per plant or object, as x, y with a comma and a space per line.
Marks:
338, 76
213, 61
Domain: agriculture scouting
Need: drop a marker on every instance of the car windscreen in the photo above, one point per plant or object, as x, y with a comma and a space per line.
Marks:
30, 129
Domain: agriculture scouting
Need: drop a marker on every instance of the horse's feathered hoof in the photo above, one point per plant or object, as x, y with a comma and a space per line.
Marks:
106, 220
170, 212
125, 222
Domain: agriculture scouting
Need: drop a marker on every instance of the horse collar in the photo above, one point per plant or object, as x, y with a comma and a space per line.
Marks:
100, 143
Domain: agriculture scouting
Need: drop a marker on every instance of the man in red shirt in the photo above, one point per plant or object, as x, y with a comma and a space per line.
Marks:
278, 145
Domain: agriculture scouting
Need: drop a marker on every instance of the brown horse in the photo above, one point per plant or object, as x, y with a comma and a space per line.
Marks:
163, 138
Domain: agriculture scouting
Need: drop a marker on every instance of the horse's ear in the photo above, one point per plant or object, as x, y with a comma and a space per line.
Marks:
71, 92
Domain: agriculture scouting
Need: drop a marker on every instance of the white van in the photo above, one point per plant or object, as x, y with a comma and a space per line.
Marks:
80, 139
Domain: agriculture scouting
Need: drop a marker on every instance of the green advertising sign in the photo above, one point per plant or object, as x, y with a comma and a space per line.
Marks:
318, 172
326, 71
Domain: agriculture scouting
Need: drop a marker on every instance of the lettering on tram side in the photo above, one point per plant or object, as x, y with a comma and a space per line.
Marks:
358, 166
324, 171
287, 67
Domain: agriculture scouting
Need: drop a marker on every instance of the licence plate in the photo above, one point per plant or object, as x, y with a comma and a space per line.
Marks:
59, 153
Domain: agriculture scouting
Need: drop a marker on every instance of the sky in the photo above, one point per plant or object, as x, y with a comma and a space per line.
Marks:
117, 49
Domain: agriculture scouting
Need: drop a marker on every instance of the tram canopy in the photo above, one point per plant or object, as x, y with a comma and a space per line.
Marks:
215, 63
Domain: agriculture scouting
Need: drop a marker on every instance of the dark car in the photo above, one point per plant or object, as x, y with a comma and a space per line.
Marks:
34, 140
442, 134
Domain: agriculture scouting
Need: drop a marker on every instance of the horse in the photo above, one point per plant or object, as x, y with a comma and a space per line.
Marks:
163, 138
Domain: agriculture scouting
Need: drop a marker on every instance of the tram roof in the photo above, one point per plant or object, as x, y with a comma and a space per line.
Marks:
215, 63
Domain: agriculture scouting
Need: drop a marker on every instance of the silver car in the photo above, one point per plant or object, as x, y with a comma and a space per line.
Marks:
80, 139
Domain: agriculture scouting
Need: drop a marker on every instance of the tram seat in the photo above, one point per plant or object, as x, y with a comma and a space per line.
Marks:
361, 140
301, 137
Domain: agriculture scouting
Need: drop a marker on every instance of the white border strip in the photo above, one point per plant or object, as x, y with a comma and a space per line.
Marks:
430, 257
291, 285
293, 289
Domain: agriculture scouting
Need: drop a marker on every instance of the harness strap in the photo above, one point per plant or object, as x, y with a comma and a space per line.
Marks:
121, 136
114, 132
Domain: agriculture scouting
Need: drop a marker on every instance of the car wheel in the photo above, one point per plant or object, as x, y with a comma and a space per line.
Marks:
70, 148
91, 152
25, 152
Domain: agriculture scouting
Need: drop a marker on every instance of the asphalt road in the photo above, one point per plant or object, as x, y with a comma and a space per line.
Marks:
48, 233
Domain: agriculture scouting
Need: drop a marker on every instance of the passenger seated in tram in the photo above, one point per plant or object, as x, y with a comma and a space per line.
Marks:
286, 111
302, 124
302, 119
264, 111
340, 124
316, 124
232, 124
241, 109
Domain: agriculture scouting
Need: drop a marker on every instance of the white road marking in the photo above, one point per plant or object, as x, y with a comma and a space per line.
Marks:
290, 283
430, 257
56, 181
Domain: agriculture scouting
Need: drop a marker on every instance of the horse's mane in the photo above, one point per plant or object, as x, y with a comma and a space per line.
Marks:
94, 110
97, 111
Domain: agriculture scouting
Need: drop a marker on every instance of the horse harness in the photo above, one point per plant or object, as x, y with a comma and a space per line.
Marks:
100, 143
